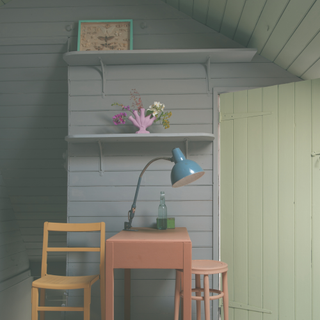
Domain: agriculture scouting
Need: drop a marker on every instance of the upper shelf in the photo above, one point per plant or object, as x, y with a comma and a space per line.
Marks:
176, 56
132, 137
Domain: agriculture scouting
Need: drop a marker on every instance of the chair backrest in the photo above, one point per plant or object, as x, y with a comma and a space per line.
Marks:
73, 227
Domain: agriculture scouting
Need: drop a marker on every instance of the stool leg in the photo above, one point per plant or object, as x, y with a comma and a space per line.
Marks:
226, 296
206, 296
198, 293
177, 295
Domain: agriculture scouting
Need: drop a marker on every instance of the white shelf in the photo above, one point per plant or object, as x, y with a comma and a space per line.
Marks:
129, 57
133, 137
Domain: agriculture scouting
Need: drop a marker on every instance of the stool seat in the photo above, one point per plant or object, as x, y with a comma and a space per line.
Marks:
208, 267
205, 268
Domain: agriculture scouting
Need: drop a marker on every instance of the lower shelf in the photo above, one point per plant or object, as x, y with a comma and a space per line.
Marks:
152, 137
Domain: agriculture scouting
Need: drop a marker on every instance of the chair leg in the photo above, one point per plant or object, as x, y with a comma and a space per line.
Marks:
226, 296
177, 295
42, 302
198, 293
86, 303
102, 300
206, 296
34, 303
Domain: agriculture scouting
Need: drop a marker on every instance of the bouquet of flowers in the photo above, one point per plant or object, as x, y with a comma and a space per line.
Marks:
156, 110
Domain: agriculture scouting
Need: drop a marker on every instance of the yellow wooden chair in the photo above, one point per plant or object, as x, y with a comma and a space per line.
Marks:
48, 281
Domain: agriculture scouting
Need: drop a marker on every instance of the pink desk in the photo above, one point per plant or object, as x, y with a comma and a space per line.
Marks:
148, 249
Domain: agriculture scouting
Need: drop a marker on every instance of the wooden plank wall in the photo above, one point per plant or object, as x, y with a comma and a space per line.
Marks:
15, 279
33, 117
13, 254
108, 198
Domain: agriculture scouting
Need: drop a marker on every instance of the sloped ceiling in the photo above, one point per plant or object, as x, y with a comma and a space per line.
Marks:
3, 2
285, 32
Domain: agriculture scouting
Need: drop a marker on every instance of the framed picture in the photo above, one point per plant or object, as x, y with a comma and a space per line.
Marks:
101, 35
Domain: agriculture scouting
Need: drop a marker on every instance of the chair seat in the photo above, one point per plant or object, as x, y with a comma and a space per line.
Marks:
64, 282
208, 267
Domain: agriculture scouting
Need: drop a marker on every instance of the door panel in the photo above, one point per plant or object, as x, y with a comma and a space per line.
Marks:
286, 201
270, 206
315, 162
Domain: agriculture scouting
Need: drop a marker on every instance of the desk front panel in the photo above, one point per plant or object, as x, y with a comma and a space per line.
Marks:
148, 255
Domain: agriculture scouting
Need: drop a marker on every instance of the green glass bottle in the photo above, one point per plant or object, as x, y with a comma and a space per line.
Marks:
162, 213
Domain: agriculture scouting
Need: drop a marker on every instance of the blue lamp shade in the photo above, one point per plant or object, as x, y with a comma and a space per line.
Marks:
184, 171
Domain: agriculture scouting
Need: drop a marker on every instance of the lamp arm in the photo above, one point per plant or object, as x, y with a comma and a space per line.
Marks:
131, 212
153, 160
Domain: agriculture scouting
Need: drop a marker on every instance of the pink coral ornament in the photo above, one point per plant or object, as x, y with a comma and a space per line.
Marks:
141, 121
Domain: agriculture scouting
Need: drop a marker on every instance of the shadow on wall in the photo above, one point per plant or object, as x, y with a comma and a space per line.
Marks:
34, 112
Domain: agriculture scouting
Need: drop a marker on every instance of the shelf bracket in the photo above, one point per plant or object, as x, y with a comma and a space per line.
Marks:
101, 158
103, 78
68, 44
208, 74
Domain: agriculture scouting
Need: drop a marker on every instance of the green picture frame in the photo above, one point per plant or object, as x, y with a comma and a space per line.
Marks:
104, 35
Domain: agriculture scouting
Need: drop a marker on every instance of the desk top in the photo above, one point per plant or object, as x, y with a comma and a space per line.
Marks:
151, 234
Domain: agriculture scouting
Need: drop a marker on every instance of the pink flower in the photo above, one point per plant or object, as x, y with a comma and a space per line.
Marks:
119, 118
126, 108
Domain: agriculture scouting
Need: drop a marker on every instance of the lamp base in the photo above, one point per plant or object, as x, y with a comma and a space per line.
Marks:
127, 227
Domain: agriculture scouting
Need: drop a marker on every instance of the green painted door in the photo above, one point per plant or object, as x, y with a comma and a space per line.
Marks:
270, 201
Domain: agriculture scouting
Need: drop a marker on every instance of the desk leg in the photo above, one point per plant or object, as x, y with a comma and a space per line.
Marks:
187, 281
109, 281
127, 293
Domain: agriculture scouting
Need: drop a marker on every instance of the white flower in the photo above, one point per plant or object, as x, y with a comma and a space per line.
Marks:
156, 108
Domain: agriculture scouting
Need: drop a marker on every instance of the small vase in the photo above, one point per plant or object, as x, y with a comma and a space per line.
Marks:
141, 121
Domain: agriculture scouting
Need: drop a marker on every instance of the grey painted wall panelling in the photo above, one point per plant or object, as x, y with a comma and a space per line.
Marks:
13, 254
105, 209
123, 162
176, 102
15, 279
153, 14
179, 117
164, 85
154, 86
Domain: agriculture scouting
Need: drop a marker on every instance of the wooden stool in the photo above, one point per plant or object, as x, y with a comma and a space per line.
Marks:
204, 267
